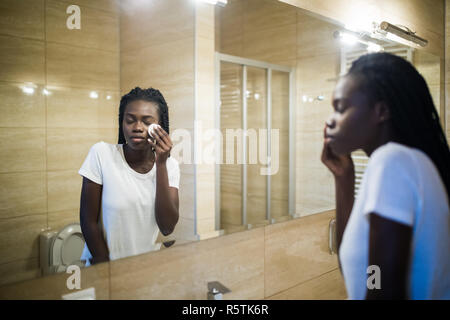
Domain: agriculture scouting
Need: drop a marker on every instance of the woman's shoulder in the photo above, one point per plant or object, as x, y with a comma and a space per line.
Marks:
102, 147
393, 153
103, 144
401, 158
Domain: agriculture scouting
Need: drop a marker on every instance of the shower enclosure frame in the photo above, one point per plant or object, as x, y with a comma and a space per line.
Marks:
268, 67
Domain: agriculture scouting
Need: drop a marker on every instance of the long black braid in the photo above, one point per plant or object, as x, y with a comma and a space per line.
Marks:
393, 80
150, 95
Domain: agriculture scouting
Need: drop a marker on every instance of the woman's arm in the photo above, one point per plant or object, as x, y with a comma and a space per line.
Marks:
167, 203
343, 170
389, 249
345, 190
91, 193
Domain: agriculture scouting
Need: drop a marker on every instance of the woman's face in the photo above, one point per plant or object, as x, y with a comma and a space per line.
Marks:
138, 116
353, 123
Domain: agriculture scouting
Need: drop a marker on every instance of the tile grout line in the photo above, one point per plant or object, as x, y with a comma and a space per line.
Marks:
46, 107
18, 260
27, 215
109, 90
53, 42
300, 283
111, 11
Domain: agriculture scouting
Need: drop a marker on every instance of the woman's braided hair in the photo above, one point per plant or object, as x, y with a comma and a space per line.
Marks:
150, 95
393, 80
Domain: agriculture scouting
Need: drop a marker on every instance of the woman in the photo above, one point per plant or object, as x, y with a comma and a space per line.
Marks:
400, 221
135, 183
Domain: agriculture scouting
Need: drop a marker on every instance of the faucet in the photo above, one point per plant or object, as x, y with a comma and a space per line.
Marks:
216, 290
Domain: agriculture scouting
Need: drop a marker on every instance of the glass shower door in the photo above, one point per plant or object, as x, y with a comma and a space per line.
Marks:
230, 173
256, 98
255, 107
279, 186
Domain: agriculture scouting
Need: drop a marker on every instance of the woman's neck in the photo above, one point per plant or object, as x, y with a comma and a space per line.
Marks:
138, 156
385, 135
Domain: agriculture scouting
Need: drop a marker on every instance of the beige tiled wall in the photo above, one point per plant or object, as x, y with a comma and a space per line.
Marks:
204, 116
447, 68
289, 260
297, 251
328, 286
45, 138
226, 259
54, 286
245, 26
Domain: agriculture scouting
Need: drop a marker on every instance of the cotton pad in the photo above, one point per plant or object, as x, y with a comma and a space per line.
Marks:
151, 129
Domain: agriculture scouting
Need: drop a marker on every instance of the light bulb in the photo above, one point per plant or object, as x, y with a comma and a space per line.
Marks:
28, 90
348, 39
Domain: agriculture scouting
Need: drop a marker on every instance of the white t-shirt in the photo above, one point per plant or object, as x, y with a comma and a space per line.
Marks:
401, 184
128, 200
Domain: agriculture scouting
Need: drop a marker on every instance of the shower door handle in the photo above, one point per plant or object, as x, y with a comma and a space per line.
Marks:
332, 236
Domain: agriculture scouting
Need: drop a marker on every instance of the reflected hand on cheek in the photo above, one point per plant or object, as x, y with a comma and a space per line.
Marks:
339, 164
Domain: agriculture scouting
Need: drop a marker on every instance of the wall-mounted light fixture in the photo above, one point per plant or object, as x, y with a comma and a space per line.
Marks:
351, 38
392, 31
310, 99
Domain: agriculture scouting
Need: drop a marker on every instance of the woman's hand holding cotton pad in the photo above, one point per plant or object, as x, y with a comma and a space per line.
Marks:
151, 130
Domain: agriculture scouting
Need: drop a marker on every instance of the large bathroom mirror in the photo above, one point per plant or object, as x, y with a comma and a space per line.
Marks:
270, 70
277, 66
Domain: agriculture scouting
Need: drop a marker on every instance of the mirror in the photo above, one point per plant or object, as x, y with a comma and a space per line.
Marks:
270, 66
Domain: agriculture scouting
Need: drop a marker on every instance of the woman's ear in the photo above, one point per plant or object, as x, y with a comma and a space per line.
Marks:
382, 112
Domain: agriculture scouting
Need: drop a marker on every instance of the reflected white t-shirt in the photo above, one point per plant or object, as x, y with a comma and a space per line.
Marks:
401, 184
128, 200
